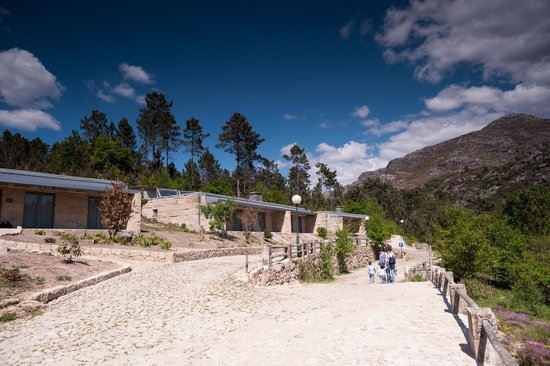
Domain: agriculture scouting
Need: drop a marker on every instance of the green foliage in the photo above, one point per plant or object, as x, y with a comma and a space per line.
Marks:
268, 235
115, 208
379, 228
529, 210
325, 262
70, 246
219, 186
12, 275
343, 247
149, 241
64, 278
417, 278
322, 232
219, 213
39, 232
8, 317
298, 176
472, 245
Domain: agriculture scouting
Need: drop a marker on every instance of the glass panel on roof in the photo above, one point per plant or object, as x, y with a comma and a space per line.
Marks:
151, 193
168, 192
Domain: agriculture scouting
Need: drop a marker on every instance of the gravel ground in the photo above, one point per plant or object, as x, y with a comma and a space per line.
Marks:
202, 313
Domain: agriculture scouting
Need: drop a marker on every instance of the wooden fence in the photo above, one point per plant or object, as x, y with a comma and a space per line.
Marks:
277, 253
482, 328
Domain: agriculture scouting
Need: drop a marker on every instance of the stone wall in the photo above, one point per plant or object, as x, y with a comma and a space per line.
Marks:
287, 270
177, 210
212, 253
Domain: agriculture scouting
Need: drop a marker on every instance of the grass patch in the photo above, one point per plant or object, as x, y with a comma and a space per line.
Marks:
417, 278
33, 312
64, 278
8, 317
39, 232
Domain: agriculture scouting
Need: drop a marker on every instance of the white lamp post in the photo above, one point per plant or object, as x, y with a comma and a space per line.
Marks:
296, 200
367, 218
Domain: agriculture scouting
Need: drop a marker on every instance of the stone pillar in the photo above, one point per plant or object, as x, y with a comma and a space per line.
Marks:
455, 296
134, 222
448, 280
287, 223
475, 322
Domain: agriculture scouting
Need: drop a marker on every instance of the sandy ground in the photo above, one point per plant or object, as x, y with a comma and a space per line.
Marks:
202, 313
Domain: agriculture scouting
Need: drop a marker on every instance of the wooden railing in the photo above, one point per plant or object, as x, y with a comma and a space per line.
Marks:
278, 253
482, 328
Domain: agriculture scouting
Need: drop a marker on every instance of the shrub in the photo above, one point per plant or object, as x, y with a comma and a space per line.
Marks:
12, 275
184, 228
322, 232
70, 246
268, 235
219, 214
325, 262
307, 271
115, 208
149, 241
49, 240
39, 232
343, 247
417, 277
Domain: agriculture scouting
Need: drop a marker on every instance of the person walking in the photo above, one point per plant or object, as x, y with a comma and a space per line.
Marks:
372, 272
391, 267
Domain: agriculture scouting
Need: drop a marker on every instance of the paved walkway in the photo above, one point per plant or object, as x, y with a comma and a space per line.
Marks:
198, 313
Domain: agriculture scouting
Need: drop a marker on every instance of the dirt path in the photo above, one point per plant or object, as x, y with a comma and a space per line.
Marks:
198, 313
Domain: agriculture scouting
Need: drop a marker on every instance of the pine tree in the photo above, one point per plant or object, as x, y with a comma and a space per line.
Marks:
94, 125
157, 128
125, 133
298, 176
238, 138
327, 178
209, 167
193, 137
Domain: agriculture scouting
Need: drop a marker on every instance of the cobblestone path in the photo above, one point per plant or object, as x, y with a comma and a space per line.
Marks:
199, 313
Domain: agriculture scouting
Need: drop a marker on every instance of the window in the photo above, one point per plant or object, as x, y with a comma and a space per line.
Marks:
38, 210
94, 216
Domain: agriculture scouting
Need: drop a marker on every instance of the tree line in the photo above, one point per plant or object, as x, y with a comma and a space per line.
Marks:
144, 157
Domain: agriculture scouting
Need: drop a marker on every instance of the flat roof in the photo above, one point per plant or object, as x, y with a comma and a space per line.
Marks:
35, 179
211, 197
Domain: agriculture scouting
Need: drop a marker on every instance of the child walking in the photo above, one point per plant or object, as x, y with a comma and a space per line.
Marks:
372, 272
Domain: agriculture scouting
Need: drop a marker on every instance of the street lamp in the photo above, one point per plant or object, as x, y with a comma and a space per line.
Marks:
296, 200
367, 218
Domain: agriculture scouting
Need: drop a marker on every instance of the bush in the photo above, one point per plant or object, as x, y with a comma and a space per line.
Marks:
343, 247
417, 278
8, 317
115, 208
70, 246
12, 275
322, 232
64, 278
268, 235
49, 240
39, 232
149, 241
325, 263
219, 214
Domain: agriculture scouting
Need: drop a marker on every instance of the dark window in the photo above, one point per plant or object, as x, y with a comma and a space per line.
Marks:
38, 211
94, 216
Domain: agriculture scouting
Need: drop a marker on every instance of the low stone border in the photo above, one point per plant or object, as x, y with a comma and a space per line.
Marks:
211, 253
56, 292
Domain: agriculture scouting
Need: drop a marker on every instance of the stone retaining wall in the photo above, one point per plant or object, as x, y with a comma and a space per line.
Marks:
211, 253
287, 270
136, 254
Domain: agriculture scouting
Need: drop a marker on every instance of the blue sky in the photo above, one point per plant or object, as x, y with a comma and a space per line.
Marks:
356, 83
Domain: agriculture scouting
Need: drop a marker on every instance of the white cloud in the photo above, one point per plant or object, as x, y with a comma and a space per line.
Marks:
507, 38
289, 117
104, 96
361, 112
135, 73
432, 129
25, 82
523, 98
349, 160
28, 120
346, 30
124, 90
140, 99
325, 125
286, 149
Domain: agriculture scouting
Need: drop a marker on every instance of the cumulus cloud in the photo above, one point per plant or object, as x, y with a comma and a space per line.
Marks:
346, 30
140, 99
104, 96
375, 127
506, 38
361, 112
349, 160
289, 117
28, 120
135, 73
25, 82
124, 90
531, 99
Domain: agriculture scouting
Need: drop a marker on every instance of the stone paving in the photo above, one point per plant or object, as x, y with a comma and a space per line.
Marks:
202, 313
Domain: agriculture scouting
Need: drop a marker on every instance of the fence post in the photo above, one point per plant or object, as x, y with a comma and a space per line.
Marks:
475, 324
455, 296
289, 251
270, 255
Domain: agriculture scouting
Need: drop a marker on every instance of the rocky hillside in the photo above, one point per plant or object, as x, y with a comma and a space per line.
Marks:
507, 143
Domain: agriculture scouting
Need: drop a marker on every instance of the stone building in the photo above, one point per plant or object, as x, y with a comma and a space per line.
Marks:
181, 207
39, 200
